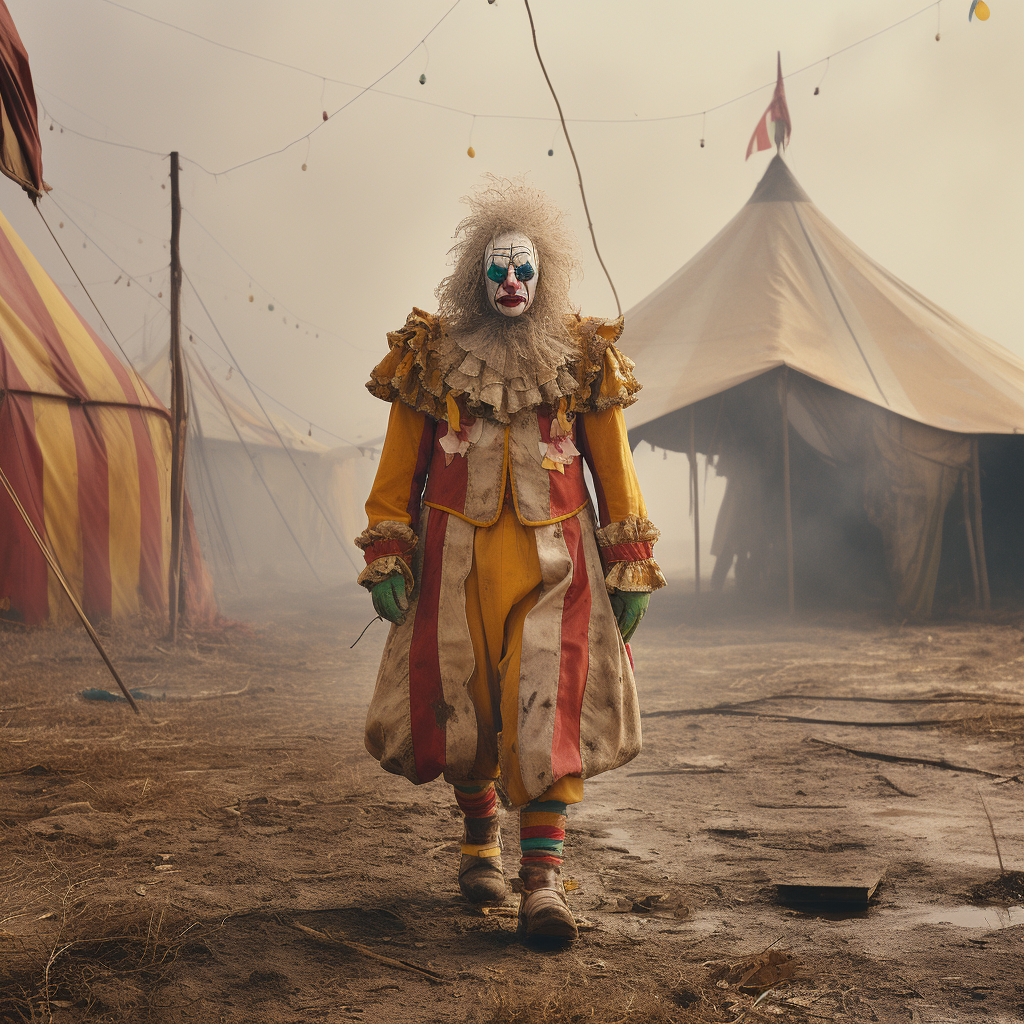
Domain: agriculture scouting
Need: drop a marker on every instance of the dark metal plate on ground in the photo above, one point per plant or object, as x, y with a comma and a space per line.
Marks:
846, 885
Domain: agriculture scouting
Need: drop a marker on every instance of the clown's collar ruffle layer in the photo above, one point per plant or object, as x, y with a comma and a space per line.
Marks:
425, 365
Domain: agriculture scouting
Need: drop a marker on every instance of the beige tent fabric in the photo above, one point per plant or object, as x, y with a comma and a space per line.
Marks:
879, 377
235, 457
780, 285
911, 477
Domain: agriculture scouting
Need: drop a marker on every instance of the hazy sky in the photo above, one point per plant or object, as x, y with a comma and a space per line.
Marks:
913, 148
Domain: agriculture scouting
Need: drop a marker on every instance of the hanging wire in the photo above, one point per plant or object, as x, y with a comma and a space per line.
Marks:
251, 277
193, 333
579, 173
817, 88
273, 425
452, 109
88, 294
347, 103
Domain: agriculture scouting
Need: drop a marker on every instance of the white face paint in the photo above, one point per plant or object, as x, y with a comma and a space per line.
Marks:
511, 273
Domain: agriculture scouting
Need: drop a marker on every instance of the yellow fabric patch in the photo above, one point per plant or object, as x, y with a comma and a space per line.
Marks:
469, 850
453, 413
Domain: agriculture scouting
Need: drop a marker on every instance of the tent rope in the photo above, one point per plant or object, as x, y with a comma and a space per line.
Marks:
86, 290
51, 560
277, 434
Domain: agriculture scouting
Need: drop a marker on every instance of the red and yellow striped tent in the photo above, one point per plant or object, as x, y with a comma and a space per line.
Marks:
87, 448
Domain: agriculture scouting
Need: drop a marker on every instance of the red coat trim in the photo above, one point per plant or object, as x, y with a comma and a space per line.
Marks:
637, 552
380, 548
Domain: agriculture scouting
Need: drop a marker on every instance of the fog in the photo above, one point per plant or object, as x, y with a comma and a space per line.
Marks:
910, 148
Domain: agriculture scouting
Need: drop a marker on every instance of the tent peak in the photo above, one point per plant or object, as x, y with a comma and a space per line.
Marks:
778, 186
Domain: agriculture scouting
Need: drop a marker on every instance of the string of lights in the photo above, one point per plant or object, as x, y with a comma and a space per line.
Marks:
701, 113
223, 248
326, 117
193, 333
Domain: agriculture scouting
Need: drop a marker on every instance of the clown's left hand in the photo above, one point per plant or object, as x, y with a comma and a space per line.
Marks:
629, 607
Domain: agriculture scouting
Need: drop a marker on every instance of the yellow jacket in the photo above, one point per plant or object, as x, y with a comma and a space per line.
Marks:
472, 466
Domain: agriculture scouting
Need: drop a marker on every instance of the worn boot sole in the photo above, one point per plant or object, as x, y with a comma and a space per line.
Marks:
544, 913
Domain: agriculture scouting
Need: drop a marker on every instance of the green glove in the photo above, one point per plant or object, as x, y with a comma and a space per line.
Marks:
389, 600
629, 607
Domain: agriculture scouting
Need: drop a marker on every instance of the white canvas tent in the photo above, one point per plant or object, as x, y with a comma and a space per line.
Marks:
782, 342
267, 497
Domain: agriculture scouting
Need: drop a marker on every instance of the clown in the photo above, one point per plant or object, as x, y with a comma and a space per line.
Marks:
511, 598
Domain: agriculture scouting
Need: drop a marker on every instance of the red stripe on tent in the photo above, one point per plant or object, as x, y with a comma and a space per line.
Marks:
93, 510
26, 302
575, 660
426, 694
583, 443
23, 570
200, 606
152, 581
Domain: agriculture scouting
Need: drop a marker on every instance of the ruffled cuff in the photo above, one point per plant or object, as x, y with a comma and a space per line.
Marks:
381, 569
387, 548
641, 577
627, 553
386, 538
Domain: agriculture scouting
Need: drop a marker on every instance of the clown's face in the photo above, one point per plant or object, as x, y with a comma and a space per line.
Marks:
511, 273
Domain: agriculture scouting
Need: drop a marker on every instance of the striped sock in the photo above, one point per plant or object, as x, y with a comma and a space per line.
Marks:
542, 832
477, 801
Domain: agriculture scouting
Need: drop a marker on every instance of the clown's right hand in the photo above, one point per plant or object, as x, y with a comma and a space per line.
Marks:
389, 599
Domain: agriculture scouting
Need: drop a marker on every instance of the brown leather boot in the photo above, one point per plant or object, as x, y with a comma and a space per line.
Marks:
481, 877
543, 909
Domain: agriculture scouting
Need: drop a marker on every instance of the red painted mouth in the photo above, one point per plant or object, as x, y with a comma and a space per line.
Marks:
510, 300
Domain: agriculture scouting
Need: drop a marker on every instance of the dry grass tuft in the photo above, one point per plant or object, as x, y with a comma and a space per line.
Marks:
688, 999
579, 1003
108, 965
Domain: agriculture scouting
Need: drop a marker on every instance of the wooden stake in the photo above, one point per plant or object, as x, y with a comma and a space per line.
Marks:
970, 540
178, 414
51, 560
694, 490
979, 536
791, 588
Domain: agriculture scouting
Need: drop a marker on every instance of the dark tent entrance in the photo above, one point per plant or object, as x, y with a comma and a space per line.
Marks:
882, 511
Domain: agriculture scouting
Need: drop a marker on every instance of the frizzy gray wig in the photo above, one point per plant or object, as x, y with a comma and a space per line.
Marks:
497, 206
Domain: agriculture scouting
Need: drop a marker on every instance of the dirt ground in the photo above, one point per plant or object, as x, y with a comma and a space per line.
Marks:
235, 855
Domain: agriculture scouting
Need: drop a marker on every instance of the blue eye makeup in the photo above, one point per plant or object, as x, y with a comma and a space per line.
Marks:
497, 273
524, 272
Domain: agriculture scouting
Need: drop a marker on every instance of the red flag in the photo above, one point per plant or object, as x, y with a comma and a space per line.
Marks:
778, 114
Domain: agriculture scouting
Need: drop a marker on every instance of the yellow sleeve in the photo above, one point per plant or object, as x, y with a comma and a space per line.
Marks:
393, 507
626, 537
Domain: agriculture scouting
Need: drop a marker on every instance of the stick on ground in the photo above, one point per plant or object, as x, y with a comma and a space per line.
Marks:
326, 939
873, 755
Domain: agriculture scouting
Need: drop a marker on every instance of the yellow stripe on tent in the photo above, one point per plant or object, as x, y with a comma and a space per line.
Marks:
30, 357
56, 440
97, 376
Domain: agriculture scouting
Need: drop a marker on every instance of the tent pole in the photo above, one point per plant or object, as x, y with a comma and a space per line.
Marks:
970, 540
178, 416
978, 534
790, 587
696, 502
